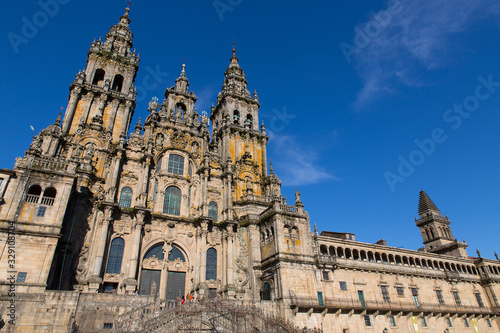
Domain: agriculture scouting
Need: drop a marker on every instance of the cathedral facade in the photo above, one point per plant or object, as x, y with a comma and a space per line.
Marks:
98, 225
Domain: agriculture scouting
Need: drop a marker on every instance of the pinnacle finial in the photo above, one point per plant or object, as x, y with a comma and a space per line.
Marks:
478, 253
496, 256
234, 46
183, 69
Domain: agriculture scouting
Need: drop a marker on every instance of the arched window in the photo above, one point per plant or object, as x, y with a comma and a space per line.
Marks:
115, 256
176, 253
249, 120
98, 76
236, 117
125, 197
33, 193
117, 83
156, 251
172, 201
265, 294
176, 164
48, 196
212, 210
211, 264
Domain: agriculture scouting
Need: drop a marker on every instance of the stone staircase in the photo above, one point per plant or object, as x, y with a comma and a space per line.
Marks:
222, 316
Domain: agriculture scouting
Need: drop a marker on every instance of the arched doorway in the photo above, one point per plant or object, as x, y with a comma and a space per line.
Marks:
166, 277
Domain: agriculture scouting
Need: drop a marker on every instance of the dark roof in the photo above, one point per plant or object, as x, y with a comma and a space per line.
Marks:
425, 203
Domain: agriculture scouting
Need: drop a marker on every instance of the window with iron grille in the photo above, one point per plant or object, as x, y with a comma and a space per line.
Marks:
21, 276
211, 264
107, 326
400, 291
172, 201
488, 322
479, 300
326, 276
466, 322
385, 294
343, 285
176, 164
424, 322
125, 197
448, 322
439, 295
392, 320
458, 301
414, 293
41, 211
212, 210
368, 322
115, 256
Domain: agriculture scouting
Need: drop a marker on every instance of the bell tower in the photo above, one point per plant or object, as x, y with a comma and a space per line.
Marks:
103, 97
236, 133
436, 231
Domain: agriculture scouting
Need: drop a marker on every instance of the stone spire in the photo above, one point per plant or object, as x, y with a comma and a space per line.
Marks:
119, 37
425, 204
235, 82
182, 82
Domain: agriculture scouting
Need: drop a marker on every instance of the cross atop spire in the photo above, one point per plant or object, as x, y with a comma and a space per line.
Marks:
234, 46
129, 2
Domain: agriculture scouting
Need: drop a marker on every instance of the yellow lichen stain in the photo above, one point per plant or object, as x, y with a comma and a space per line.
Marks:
78, 114
106, 117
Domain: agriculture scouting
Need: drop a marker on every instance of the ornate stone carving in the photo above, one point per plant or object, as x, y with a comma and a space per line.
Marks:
179, 140
242, 260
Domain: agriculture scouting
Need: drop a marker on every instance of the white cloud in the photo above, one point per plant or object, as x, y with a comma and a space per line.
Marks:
297, 165
422, 34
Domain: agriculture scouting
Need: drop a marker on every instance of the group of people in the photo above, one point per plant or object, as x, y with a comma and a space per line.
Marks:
191, 299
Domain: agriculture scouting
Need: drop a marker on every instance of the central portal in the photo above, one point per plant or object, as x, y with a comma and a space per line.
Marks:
176, 283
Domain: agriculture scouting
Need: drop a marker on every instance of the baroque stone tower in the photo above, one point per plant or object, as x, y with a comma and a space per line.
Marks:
436, 231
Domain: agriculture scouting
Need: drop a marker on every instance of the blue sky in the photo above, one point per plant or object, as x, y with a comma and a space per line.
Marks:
365, 102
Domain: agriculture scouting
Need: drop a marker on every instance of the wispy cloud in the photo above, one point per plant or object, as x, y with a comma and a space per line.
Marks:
421, 35
297, 165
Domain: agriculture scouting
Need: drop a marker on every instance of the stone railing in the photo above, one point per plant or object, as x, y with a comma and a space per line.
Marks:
32, 198
326, 260
432, 218
396, 306
50, 164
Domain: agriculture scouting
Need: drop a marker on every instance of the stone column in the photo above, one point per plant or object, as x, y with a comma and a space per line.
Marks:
126, 116
230, 255
264, 156
144, 182
70, 110
131, 282
115, 105
101, 105
89, 98
113, 179
101, 246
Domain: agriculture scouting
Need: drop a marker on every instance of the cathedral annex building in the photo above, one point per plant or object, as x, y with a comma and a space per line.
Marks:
176, 228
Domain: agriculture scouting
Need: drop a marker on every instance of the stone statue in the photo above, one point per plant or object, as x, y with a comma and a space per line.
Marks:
297, 196
90, 150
